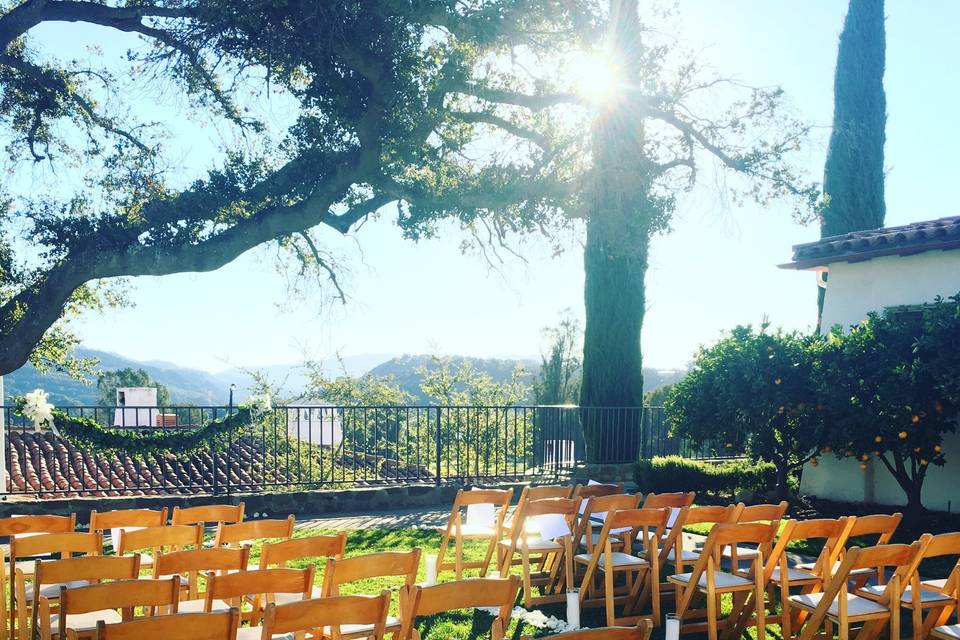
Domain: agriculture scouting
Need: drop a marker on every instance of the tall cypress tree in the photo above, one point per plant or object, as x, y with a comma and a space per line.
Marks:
853, 175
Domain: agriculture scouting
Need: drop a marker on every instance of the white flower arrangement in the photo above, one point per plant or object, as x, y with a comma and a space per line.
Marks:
535, 618
37, 408
260, 404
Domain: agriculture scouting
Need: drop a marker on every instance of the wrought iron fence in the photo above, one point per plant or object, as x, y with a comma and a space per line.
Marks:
321, 446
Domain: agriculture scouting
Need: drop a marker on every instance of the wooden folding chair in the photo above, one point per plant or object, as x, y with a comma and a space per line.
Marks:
157, 540
112, 523
555, 520
58, 545
25, 526
592, 517
82, 609
296, 619
258, 586
641, 571
300, 550
937, 598
708, 581
514, 523
499, 593
191, 564
880, 528
677, 554
49, 576
338, 572
837, 605
949, 631
641, 631
208, 514
235, 535
182, 626
485, 511
833, 533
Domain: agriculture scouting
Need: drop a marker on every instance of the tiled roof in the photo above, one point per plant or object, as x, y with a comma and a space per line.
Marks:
917, 237
44, 462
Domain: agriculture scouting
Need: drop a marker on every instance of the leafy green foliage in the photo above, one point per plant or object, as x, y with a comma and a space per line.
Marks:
109, 381
890, 387
664, 474
754, 391
558, 381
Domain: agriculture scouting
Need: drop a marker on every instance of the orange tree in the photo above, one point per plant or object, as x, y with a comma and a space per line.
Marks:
754, 391
891, 391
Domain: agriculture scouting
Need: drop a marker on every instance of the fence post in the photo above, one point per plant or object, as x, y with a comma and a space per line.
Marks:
438, 443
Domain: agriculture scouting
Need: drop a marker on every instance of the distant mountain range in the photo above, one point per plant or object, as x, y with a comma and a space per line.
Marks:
197, 387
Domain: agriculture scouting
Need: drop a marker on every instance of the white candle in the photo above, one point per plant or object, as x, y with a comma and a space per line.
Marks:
430, 561
672, 630
573, 609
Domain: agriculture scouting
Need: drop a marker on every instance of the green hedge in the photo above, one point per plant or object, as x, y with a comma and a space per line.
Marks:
674, 473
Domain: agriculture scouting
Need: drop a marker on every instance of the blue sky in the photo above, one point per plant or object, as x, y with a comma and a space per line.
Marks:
716, 268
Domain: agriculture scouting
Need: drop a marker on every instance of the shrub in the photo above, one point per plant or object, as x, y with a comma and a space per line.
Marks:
665, 474
754, 391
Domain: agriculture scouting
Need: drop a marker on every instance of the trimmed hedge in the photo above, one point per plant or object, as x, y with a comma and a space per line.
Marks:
673, 473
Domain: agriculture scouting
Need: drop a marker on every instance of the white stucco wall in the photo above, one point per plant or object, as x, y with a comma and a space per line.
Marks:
856, 288
853, 290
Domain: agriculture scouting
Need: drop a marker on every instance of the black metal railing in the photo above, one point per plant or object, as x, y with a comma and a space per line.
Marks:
322, 446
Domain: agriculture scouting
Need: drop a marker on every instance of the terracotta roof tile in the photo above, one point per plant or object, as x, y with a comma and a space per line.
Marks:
943, 233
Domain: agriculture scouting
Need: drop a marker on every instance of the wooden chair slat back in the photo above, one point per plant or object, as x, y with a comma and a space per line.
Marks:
553, 506
944, 544
62, 543
640, 632
886, 555
195, 560
259, 581
498, 497
645, 517
127, 518
37, 524
613, 502
120, 594
209, 513
675, 500
548, 491
465, 594
596, 490
882, 525
760, 533
374, 565
89, 568
182, 626
307, 615
758, 512
279, 553
164, 538
713, 514
232, 534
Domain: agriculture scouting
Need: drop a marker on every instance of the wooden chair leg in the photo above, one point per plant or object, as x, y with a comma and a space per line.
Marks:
608, 596
761, 606
491, 547
458, 560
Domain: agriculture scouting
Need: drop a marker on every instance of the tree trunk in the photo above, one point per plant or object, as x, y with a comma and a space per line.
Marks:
783, 481
615, 261
853, 180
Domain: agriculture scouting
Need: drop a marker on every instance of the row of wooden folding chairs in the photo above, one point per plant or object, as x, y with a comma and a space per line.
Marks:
177, 551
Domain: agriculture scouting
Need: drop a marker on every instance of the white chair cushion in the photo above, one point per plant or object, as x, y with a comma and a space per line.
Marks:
951, 630
856, 606
85, 621
475, 530
595, 538
51, 590
745, 553
619, 560
721, 579
196, 606
685, 554
865, 571
939, 584
349, 629
284, 598
907, 596
255, 633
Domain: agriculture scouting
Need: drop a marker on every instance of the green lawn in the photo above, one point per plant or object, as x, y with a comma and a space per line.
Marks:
461, 625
